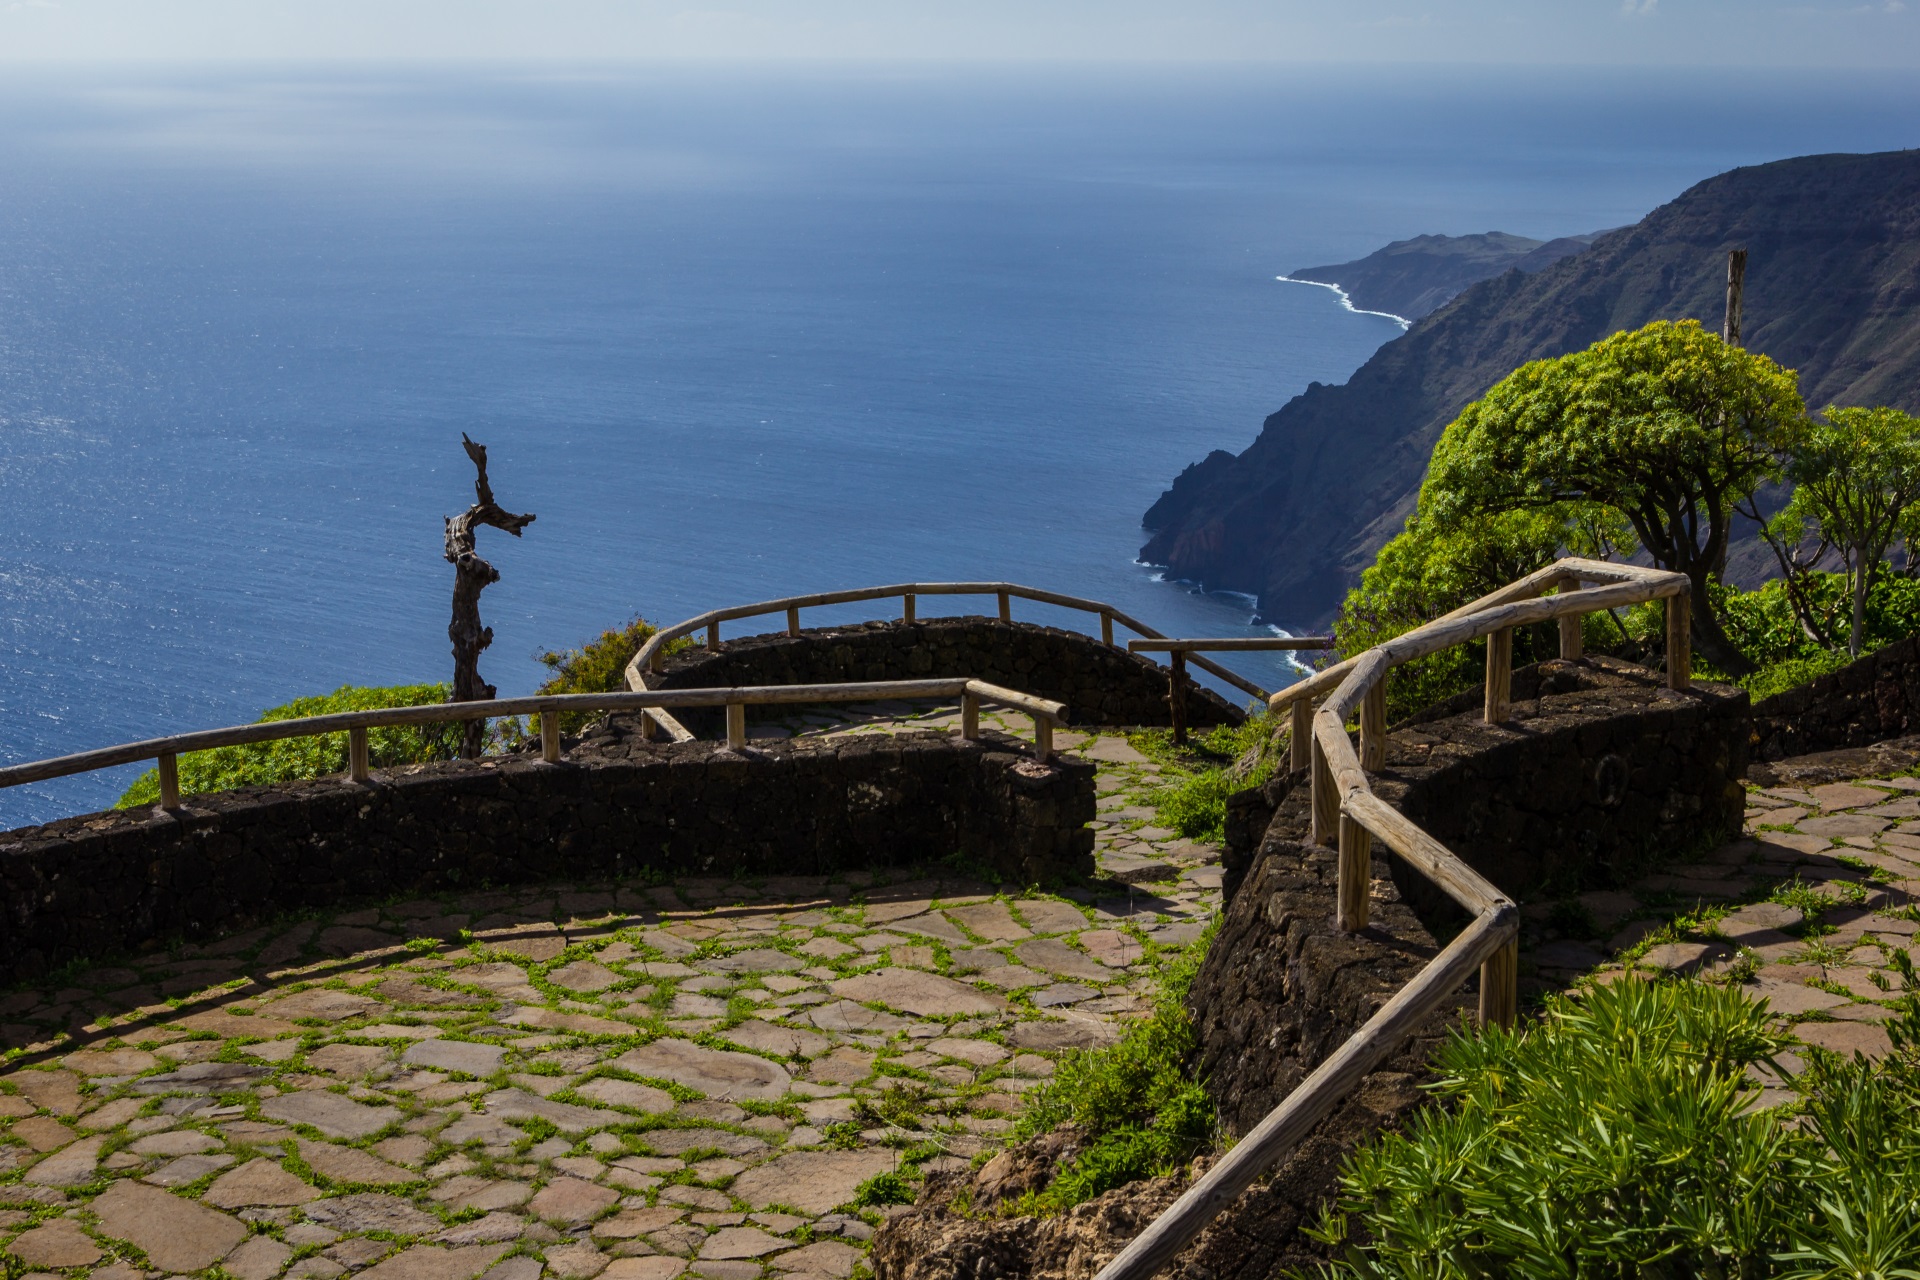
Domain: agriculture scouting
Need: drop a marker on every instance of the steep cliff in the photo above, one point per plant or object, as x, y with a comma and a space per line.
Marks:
1413, 278
1833, 290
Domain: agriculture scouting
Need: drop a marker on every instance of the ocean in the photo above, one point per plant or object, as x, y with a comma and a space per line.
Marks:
731, 332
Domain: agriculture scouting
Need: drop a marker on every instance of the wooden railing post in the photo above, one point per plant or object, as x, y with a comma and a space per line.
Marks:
1326, 804
357, 755
1679, 642
1177, 696
1300, 731
1572, 643
793, 620
657, 659
1106, 629
1500, 987
1499, 677
550, 736
169, 765
969, 716
907, 612
1042, 738
1373, 727
647, 726
736, 724
1356, 875
1006, 608
713, 637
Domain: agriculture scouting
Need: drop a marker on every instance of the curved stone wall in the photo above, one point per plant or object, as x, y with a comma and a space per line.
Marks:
1101, 685
1868, 701
1601, 772
617, 807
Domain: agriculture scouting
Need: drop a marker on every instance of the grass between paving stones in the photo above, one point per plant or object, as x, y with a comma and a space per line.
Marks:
1701, 922
1197, 779
1617, 1137
1142, 1111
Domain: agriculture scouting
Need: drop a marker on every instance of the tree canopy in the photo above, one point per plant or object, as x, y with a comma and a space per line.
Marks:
1856, 478
1668, 425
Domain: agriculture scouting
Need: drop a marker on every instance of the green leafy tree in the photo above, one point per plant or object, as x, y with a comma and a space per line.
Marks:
1432, 569
1667, 424
1856, 477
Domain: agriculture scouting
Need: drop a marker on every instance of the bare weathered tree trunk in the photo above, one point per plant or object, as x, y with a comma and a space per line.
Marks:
471, 576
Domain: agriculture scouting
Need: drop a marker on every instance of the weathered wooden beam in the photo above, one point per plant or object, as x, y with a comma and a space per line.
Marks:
1736, 285
1356, 876
1177, 696
1500, 987
1499, 699
1680, 642
1229, 644
1300, 730
357, 753
169, 768
1373, 727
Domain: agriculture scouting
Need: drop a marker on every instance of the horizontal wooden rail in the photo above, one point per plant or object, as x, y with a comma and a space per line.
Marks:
1230, 644
653, 652
1344, 809
548, 706
1662, 585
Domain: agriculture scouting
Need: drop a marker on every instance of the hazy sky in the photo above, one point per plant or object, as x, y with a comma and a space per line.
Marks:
1835, 33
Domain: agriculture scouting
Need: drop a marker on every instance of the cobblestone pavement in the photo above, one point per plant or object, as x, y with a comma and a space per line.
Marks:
1805, 910
624, 1081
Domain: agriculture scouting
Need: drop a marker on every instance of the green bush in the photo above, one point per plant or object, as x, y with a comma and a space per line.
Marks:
598, 666
1142, 1112
1618, 1138
260, 763
1200, 776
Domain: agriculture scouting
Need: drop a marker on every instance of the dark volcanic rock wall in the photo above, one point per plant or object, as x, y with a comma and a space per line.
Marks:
1868, 701
1602, 772
1101, 685
106, 882
1832, 290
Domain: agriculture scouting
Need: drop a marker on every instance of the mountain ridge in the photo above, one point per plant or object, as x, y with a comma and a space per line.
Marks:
1413, 278
1832, 290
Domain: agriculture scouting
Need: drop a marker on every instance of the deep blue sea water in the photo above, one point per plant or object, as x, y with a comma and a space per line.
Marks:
732, 333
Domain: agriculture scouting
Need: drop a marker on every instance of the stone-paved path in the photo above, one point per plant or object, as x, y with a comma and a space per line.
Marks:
623, 1081
1805, 911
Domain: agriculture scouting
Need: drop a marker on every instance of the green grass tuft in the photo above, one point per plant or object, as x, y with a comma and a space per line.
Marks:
1142, 1111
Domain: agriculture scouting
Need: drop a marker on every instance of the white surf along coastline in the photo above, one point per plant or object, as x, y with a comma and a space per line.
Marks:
1248, 599
1347, 302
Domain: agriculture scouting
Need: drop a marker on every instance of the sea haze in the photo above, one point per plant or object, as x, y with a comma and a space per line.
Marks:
731, 333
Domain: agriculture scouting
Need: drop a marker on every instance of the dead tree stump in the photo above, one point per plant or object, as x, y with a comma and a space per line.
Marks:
471, 576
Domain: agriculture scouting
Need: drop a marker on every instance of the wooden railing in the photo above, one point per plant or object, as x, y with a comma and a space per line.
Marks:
1177, 651
167, 751
1343, 800
653, 654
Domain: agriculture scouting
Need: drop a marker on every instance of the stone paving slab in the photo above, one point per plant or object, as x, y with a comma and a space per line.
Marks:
612, 1081
1803, 911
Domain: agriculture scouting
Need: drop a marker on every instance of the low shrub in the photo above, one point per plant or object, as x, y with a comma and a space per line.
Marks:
1200, 776
598, 666
263, 763
1142, 1112
1618, 1137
